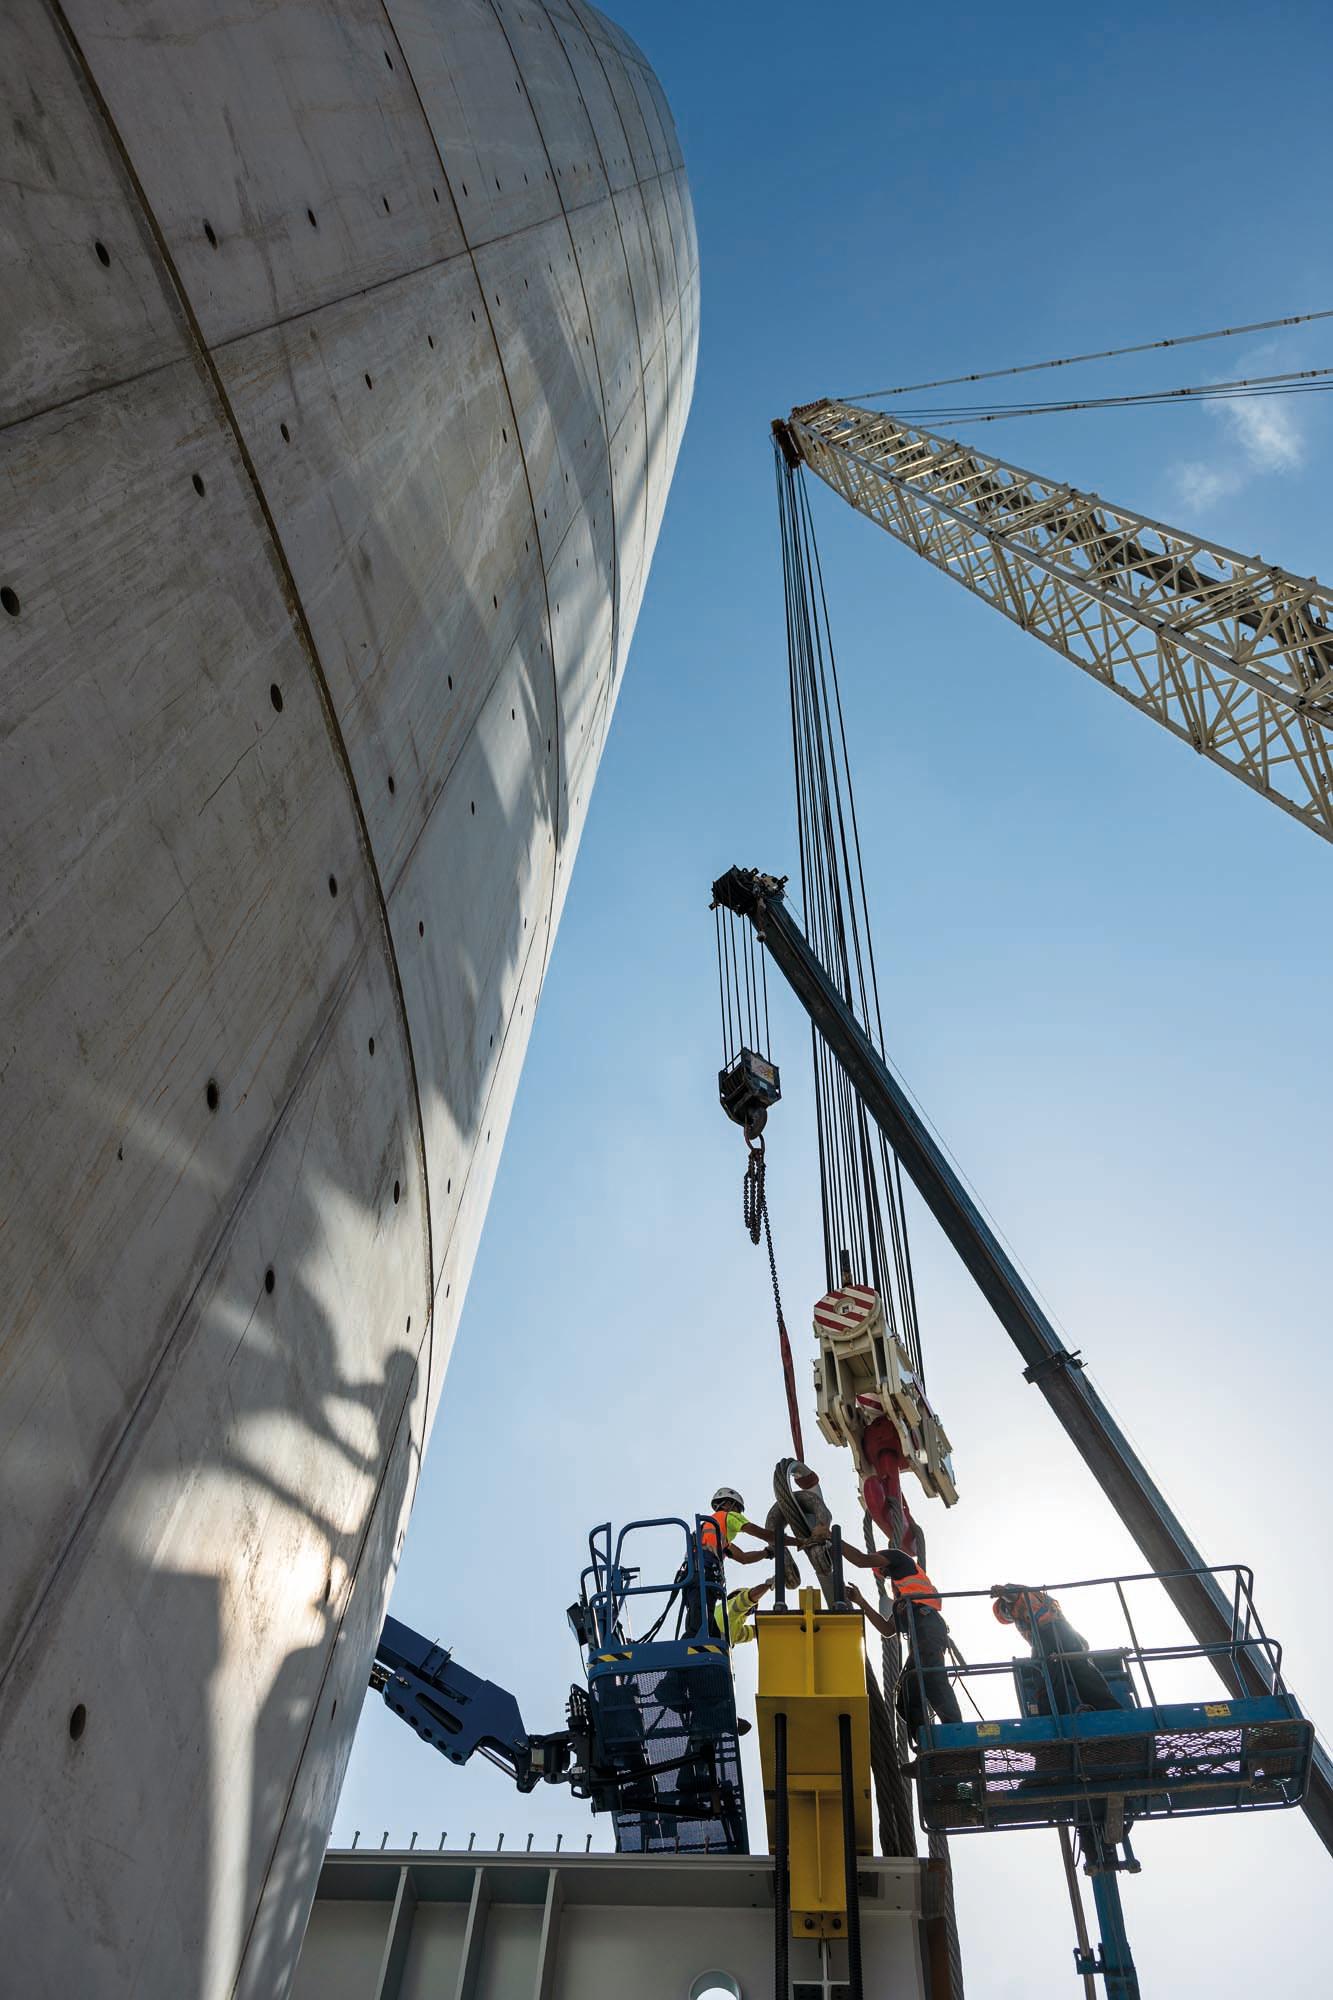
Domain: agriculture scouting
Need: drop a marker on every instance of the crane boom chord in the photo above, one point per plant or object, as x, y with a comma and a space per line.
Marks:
1231, 654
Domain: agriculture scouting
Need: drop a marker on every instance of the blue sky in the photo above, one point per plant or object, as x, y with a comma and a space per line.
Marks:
1106, 965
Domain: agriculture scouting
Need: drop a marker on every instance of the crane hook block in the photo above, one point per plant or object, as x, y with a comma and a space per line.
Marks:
747, 1090
863, 1374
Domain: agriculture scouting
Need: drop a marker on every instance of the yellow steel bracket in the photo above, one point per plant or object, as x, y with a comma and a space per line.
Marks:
812, 1669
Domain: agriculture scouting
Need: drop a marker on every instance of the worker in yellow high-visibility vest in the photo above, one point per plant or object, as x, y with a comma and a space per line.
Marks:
739, 1609
718, 1532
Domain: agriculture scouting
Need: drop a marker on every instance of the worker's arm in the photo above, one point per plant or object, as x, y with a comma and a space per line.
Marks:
760, 1534
747, 1555
880, 1623
851, 1554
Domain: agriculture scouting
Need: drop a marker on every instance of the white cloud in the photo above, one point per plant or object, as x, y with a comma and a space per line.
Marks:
1264, 435
1199, 485
1267, 431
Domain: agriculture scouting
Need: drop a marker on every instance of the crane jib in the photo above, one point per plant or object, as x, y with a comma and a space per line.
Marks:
1231, 654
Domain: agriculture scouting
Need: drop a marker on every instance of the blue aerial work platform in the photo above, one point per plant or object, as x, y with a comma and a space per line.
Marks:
1058, 1763
662, 1710
651, 1739
1094, 1771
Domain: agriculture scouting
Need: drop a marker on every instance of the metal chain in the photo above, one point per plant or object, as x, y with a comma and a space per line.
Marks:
754, 1207
753, 1203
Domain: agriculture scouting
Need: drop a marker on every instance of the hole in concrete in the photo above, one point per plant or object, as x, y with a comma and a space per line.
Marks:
270, 1280
275, 696
334, 1710
333, 885
10, 599
495, 601
409, 1322
450, 680
465, 191
385, 199
369, 383
397, 1190
421, 930
311, 218
103, 254
388, 58
78, 1721
392, 787
120, 1152
430, 340
474, 808
286, 434
196, 482
372, 1045
212, 1095
210, 233
436, 193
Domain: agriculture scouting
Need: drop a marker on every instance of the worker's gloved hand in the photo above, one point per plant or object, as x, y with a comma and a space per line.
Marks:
854, 1596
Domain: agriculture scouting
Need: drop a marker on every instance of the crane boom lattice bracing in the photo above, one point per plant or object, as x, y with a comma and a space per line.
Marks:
1233, 655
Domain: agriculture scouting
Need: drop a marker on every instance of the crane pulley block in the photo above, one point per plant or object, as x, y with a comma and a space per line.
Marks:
747, 1090
863, 1374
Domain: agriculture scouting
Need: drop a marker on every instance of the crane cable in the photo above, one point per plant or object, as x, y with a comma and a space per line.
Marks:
742, 978
1294, 382
1101, 354
865, 1229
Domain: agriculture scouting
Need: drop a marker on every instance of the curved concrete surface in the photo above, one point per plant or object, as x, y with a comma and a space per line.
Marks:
344, 357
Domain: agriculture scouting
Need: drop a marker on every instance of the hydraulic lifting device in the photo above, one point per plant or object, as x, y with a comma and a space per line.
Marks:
650, 1737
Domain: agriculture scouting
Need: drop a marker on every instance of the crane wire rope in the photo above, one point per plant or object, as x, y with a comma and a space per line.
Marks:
742, 974
1100, 354
865, 1225
865, 1230
1245, 388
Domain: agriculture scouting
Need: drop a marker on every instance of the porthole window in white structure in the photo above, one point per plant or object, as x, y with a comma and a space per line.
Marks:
715, 1986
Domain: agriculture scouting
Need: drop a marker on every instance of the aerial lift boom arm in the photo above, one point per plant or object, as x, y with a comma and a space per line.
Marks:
1048, 1363
461, 1715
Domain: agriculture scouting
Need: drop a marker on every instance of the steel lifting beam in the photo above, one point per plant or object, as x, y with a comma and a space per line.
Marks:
1060, 1376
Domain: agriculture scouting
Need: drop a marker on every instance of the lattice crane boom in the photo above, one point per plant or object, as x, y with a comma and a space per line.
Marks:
1231, 654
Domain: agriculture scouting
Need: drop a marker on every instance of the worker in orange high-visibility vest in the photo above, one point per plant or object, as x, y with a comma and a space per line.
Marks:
917, 1616
1075, 1681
